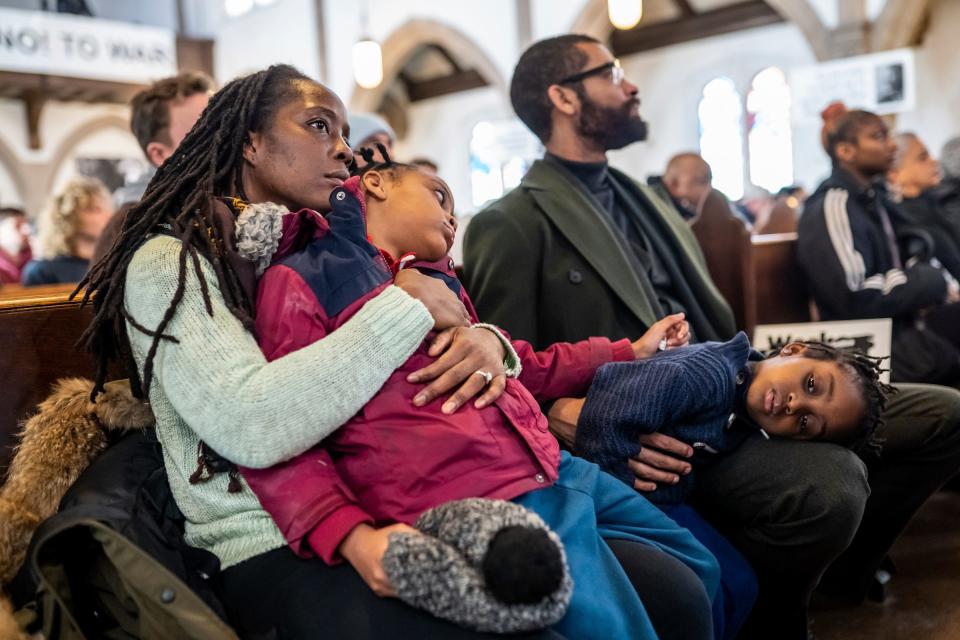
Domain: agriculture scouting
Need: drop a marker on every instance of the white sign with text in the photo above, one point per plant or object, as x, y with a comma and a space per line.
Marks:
880, 82
872, 337
81, 47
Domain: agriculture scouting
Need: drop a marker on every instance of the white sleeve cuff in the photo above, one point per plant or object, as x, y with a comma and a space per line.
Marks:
511, 361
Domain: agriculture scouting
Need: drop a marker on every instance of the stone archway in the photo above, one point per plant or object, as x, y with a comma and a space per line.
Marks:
400, 45
800, 13
38, 178
900, 24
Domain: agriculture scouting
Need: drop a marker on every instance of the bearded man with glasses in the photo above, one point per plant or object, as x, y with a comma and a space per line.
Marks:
580, 249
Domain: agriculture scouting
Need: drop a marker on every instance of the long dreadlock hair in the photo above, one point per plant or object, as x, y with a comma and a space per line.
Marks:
866, 372
180, 201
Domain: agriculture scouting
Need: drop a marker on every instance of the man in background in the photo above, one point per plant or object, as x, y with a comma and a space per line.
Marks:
579, 249
685, 182
160, 117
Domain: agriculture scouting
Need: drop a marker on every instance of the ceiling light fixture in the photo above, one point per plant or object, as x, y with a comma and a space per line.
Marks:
625, 14
367, 56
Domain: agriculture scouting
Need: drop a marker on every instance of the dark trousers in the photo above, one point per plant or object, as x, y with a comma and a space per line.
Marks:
794, 508
278, 596
945, 320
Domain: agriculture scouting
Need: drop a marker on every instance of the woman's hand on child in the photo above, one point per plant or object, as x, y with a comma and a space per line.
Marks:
658, 461
466, 352
563, 418
364, 547
443, 305
669, 332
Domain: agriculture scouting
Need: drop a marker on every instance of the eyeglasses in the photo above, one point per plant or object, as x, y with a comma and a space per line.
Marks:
616, 73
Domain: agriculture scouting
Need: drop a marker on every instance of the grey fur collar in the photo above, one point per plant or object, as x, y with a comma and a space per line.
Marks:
258, 229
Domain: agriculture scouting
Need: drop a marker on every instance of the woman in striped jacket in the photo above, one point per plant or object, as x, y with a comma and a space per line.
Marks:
854, 266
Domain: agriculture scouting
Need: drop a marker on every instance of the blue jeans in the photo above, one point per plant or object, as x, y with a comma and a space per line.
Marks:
585, 506
738, 582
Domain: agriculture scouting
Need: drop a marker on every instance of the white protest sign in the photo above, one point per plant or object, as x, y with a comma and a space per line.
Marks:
880, 82
872, 337
81, 47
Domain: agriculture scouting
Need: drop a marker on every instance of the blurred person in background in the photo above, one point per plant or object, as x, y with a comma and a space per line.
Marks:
160, 117
68, 230
947, 193
685, 182
911, 180
14, 244
369, 130
792, 195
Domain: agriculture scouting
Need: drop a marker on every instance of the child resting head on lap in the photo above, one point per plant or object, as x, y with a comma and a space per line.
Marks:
715, 395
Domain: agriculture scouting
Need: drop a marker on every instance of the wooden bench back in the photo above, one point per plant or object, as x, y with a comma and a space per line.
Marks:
757, 274
782, 219
39, 328
725, 241
780, 293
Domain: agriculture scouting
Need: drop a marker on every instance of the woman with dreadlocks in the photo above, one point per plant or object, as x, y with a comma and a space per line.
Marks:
174, 302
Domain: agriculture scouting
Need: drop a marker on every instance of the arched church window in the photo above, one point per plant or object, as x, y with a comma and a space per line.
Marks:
500, 154
721, 142
768, 130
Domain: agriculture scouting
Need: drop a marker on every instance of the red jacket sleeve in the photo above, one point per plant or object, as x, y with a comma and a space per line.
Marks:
564, 369
305, 496
311, 505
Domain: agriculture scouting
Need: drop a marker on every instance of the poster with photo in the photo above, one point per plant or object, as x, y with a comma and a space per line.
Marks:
114, 173
872, 337
879, 82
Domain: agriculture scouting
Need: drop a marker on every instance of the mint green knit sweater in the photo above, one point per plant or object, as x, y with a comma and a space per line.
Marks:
215, 385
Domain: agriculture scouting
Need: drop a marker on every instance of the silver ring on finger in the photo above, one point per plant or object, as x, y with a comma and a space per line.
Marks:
486, 375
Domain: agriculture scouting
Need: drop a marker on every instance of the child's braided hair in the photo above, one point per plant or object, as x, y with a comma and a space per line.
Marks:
866, 371
388, 164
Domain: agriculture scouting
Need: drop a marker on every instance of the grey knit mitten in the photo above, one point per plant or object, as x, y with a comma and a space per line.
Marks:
489, 565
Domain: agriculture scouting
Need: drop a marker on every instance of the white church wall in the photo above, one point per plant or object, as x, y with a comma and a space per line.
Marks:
937, 116
554, 17
284, 32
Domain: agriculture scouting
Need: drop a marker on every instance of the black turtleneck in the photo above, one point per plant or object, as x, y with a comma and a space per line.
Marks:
595, 177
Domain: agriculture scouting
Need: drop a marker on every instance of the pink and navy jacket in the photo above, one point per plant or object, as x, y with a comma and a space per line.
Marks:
393, 460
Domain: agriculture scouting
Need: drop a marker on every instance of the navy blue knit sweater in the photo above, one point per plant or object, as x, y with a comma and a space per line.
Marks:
692, 394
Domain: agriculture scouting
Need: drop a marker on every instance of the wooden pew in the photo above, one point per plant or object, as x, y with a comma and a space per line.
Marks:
780, 292
725, 241
782, 219
757, 274
39, 328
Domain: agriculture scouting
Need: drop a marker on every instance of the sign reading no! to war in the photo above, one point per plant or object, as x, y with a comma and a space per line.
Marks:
81, 47
872, 337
